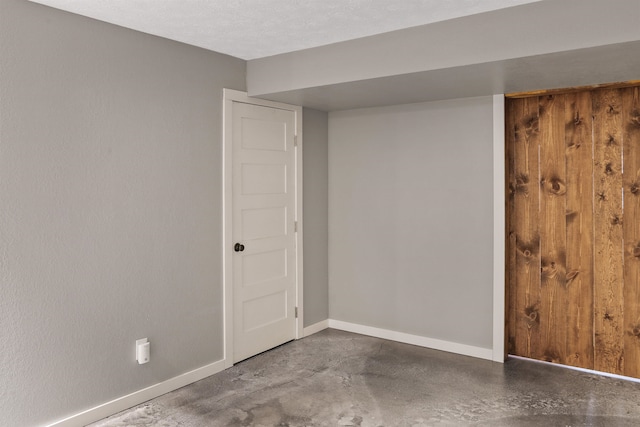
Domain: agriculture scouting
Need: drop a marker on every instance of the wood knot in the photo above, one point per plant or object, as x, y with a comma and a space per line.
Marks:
531, 125
522, 184
608, 169
607, 316
635, 188
611, 109
635, 118
556, 186
636, 251
551, 356
577, 120
610, 140
522, 179
532, 314
548, 270
572, 275
601, 196
615, 220
527, 249
635, 331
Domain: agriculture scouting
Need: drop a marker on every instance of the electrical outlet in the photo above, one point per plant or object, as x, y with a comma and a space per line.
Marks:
143, 347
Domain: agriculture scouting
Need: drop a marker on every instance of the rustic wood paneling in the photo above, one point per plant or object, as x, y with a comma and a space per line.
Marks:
526, 228
513, 112
553, 235
608, 271
631, 230
579, 219
573, 227
572, 90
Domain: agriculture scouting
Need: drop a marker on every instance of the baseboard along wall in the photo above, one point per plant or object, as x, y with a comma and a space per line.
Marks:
432, 343
107, 409
120, 404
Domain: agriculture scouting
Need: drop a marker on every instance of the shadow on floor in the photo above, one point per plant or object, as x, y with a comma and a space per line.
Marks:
336, 378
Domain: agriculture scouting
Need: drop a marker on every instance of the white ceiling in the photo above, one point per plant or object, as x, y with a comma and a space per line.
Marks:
250, 29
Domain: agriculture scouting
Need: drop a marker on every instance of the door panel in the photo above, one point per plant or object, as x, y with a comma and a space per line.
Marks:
574, 229
264, 179
263, 267
264, 281
263, 223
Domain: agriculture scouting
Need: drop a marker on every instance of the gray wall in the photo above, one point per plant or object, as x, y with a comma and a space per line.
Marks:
411, 219
477, 55
488, 37
315, 181
110, 223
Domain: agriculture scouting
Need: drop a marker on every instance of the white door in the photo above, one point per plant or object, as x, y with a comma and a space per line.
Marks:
263, 228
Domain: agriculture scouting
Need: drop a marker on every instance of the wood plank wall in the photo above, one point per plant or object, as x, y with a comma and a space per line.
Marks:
573, 228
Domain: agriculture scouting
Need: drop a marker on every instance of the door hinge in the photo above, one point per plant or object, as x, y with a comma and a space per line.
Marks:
296, 312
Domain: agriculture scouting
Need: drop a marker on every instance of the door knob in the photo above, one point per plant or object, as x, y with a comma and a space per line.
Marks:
238, 247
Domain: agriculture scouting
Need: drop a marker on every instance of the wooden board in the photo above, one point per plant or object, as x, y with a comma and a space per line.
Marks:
526, 228
571, 90
513, 111
573, 227
579, 215
553, 235
631, 230
608, 271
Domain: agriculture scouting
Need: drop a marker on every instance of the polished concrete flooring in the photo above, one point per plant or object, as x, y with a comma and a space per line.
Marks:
336, 378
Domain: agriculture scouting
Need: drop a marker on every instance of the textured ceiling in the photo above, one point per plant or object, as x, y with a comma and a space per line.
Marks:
250, 29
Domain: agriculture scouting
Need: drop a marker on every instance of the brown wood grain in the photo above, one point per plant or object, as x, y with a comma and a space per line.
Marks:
631, 230
553, 235
570, 90
608, 252
526, 228
579, 219
513, 110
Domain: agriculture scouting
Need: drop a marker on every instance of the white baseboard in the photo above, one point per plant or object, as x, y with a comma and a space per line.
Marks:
451, 347
138, 397
316, 327
575, 368
113, 407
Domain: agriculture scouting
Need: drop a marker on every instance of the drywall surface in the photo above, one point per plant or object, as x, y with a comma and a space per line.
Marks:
315, 215
411, 219
582, 67
110, 187
541, 45
522, 31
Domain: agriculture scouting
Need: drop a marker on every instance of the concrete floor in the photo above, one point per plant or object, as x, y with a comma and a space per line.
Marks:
336, 378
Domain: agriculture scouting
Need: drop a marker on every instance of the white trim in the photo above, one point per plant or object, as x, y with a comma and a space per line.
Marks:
575, 368
316, 327
499, 233
299, 222
229, 97
451, 347
227, 212
113, 407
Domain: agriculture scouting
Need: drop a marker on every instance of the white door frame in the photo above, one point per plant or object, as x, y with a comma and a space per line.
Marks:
229, 97
499, 232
